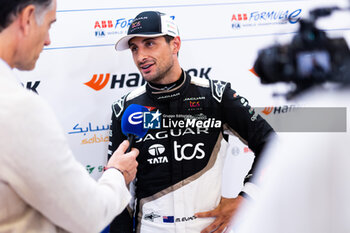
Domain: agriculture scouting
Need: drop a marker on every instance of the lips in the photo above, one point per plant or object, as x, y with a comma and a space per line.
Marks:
146, 68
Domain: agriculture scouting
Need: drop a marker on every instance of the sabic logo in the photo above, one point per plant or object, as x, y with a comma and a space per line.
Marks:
267, 110
98, 84
90, 168
156, 150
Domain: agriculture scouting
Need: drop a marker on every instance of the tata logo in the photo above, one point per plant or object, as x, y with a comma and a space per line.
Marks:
135, 118
188, 151
156, 150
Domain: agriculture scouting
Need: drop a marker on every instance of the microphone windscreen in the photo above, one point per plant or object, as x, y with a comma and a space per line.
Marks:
132, 121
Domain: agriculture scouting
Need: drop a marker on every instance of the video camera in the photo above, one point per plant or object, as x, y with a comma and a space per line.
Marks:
309, 59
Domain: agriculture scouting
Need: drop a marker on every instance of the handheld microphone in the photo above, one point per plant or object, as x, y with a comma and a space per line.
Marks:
132, 123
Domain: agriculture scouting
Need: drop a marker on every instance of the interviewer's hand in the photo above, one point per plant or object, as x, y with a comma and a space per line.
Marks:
125, 162
223, 213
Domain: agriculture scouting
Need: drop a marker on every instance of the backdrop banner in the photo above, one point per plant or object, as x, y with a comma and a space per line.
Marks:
80, 74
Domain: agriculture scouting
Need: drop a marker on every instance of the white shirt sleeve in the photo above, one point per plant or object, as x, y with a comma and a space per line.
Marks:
41, 168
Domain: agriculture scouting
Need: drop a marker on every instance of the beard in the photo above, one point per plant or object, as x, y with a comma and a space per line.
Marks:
161, 72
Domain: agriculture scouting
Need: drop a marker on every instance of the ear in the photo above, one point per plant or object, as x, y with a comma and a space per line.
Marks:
27, 19
177, 44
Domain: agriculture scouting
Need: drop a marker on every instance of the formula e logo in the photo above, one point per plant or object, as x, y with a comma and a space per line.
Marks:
188, 151
152, 120
135, 118
156, 149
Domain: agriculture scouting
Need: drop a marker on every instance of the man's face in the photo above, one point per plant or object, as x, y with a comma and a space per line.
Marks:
154, 57
37, 38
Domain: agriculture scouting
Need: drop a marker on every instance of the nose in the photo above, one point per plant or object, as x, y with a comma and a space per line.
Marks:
47, 41
140, 55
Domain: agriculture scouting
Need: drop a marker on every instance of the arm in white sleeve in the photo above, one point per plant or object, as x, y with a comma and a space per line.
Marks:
42, 169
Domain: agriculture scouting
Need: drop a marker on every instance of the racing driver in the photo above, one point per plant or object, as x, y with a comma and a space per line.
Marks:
178, 183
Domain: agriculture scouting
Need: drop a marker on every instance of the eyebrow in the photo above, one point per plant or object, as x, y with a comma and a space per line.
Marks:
144, 40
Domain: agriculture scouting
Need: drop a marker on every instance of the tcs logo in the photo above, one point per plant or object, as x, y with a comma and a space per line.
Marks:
188, 151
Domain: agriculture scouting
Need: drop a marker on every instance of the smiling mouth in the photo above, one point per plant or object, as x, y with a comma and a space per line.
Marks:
146, 68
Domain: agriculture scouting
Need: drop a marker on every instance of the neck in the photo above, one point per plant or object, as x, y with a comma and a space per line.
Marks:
172, 75
7, 46
169, 86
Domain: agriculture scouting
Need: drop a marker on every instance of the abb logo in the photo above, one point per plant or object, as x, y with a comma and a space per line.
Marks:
104, 24
239, 17
120, 23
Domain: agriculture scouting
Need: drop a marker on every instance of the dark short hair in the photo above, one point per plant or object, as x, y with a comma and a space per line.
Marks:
168, 38
10, 8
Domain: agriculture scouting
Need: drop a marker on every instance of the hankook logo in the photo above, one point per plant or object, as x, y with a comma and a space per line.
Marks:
131, 80
98, 84
267, 110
